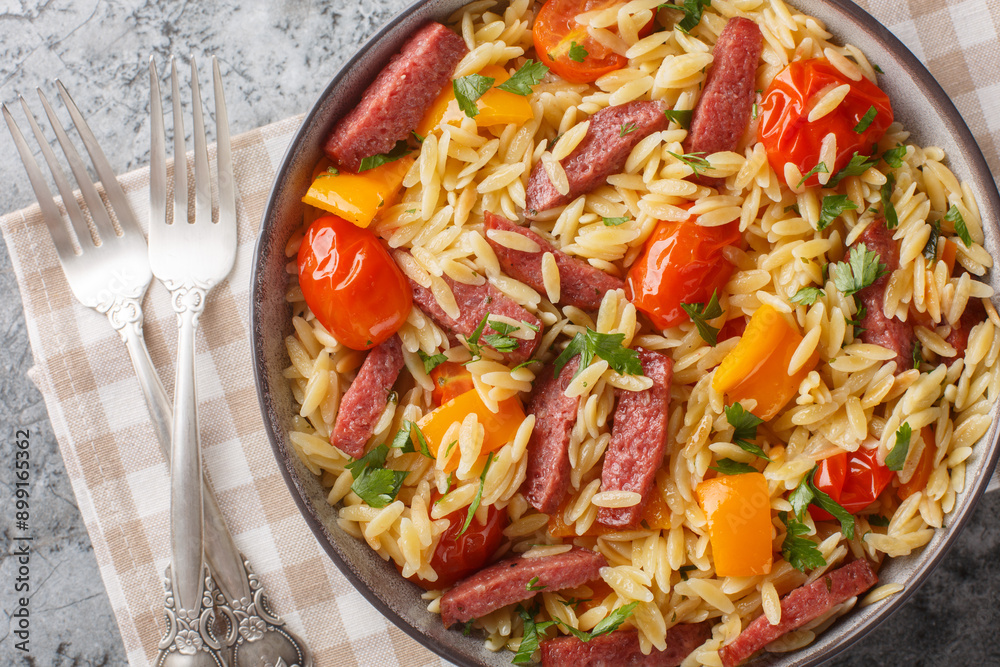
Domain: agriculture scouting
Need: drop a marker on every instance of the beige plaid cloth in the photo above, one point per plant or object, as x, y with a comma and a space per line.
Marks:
114, 463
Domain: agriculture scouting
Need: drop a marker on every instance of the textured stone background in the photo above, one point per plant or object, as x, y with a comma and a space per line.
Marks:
276, 57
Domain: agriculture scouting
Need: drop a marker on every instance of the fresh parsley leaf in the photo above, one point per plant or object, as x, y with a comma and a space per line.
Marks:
692, 13
731, 467
931, 247
701, 313
503, 328
801, 497
793, 207
528, 75
449, 481
523, 364
954, 216
329, 173
401, 149
877, 68
451, 445
894, 156
533, 585
818, 169
431, 361
613, 621
833, 206
375, 458
467, 629
878, 520
745, 429
579, 634
858, 165
680, 116
627, 128
754, 111
807, 296
470, 88
866, 120
684, 569
577, 53
501, 341
861, 270
479, 495
614, 222
473, 339
896, 457
404, 441
606, 346
891, 220
419, 139
827, 503
529, 642
918, 354
376, 485
693, 160
800, 552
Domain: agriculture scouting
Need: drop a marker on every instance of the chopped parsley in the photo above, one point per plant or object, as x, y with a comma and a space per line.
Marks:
451, 446
833, 206
373, 482
891, 220
918, 354
614, 222
693, 160
529, 640
954, 216
866, 120
401, 149
896, 457
807, 296
894, 156
684, 569
500, 341
330, 172
930, 248
701, 313
731, 467
534, 586
825, 502
479, 495
577, 53
467, 628
627, 128
403, 440
528, 75
858, 165
818, 169
692, 13
793, 207
613, 621
606, 346
419, 139
431, 361
800, 552
877, 68
800, 497
745, 429
473, 339
680, 116
878, 520
861, 270
470, 88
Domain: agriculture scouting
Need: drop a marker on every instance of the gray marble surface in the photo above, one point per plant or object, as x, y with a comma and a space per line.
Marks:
276, 57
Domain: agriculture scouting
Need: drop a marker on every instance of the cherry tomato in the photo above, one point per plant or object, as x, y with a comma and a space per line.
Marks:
681, 263
351, 283
789, 136
564, 46
450, 380
733, 328
457, 556
925, 466
853, 479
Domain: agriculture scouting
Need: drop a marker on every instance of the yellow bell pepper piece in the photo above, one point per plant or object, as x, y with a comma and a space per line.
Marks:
738, 508
496, 106
655, 516
757, 368
499, 428
358, 198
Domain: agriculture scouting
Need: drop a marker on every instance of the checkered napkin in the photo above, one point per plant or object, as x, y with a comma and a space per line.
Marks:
114, 462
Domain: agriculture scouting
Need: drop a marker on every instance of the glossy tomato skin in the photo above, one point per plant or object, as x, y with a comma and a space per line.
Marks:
351, 283
681, 263
458, 556
855, 480
556, 29
450, 380
787, 134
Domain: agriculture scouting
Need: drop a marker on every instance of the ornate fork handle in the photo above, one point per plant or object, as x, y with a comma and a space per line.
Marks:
191, 639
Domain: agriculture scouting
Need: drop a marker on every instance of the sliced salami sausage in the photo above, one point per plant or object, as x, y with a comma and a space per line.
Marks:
959, 337
889, 332
722, 114
613, 133
398, 98
580, 284
547, 476
799, 607
638, 440
622, 648
474, 303
367, 397
515, 579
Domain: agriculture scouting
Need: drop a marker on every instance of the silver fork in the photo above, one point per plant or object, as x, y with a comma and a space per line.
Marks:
190, 257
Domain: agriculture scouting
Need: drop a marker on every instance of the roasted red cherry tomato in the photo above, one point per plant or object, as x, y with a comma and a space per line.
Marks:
681, 263
854, 480
564, 46
458, 556
351, 283
787, 134
450, 380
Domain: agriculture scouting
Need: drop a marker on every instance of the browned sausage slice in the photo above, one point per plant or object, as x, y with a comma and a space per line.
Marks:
398, 98
638, 440
799, 607
366, 398
622, 648
516, 579
547, 476
580, 284
603, 151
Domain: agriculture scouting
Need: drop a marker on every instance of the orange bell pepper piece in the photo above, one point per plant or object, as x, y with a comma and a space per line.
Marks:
656, 515
496, 106
738, 508
757, 368
358, 197
948, 255
499, 427
925, 466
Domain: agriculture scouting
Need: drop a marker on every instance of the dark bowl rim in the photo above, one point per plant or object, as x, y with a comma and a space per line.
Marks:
957, 128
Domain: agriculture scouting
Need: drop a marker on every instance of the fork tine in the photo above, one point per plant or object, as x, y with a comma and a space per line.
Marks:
53, 218
113, 189
202, 177
157, 154
78, 220
180, 151
105, 230
223, 154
